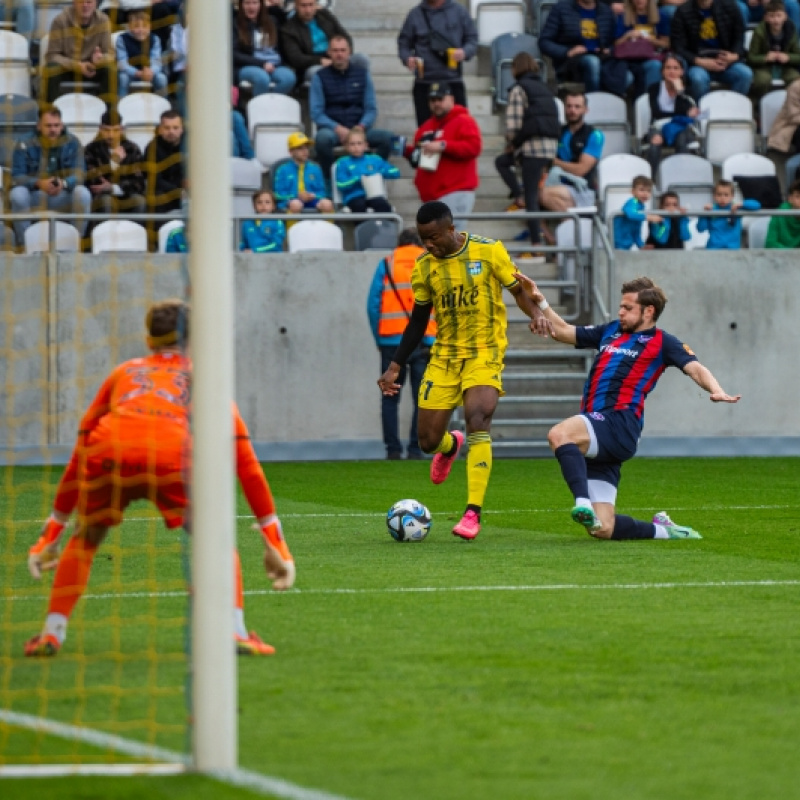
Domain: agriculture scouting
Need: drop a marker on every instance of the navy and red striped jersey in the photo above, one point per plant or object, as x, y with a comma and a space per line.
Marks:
627, 366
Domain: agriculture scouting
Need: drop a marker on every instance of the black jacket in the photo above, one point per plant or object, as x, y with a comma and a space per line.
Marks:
243, 51
685, 32
683, 104
296, 45
541, 115
165, 174
130, 174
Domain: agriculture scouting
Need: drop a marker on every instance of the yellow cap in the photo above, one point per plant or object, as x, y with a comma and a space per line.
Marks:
297, 140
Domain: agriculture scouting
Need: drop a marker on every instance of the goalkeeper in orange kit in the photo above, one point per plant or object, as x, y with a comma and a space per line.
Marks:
134, 443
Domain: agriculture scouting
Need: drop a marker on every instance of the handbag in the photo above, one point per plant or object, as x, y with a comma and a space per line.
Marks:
637, 50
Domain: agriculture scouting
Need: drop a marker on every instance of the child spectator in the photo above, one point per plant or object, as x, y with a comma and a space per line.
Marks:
671, 232
725, 233
774, 52
351, 169
628, 228
262, 235
784, 232
299, 185
176, 241
139, 55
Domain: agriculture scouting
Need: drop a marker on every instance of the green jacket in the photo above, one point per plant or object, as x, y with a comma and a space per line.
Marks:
783, 232
759, 47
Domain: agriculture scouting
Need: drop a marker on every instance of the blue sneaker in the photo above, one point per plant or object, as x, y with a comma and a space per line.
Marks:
675, 531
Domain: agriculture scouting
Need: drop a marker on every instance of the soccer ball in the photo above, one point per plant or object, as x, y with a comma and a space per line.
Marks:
408, 521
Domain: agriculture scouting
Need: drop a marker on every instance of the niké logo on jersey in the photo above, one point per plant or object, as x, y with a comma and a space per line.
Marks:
458, 298
474, 267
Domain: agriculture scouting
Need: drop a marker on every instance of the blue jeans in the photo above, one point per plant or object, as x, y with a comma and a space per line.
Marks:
326, 141
737, 77
588, 66
280, 81
23, 14
78, 201
756, 14
415, 368
124, 81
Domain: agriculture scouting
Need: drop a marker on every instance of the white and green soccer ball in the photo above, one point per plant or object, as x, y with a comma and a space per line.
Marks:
408, 521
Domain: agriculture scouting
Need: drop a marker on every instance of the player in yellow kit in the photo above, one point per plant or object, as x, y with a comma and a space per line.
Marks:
461, 277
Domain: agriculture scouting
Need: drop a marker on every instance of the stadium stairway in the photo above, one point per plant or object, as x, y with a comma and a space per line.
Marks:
543, 381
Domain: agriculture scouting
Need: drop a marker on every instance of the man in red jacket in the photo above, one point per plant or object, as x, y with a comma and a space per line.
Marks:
445, 153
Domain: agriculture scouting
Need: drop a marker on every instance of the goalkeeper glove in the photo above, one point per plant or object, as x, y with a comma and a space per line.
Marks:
43, 555
278, 560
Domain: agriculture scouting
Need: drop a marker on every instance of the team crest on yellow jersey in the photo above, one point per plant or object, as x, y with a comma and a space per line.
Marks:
474, 267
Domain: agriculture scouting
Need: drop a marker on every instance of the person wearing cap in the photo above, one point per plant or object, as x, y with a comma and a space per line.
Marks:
437, 37
299, 184
445, 153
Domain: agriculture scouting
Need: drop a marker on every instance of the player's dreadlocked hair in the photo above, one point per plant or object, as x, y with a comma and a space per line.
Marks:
167, 323
648, 294
435, 211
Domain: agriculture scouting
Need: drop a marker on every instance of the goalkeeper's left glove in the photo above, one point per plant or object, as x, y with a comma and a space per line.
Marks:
43, 555
278, 560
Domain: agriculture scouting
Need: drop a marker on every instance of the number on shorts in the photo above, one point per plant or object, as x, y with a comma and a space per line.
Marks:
428, 387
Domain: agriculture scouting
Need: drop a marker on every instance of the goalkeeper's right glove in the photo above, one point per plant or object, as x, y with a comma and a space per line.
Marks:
43, 555
278, 560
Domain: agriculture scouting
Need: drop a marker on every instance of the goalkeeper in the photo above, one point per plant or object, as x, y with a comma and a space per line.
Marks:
134, 443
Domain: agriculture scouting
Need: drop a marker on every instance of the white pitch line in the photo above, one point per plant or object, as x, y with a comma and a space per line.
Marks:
491, 512
544, 587
245, 778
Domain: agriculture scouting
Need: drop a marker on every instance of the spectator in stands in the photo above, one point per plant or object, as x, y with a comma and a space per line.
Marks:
255, 50
642, 31
576, 35
342, 97
299, 184
754, 11
389, 303
784, 232
709, 36
532, 131
262, 235
240, 141
725, 233
178, 63
306, 36
165, 167
139, 55
115, 170
445, 154
672, 113
774, 51
671, 232
22, 13
573, 180
669, 7
437, 37
47, 172
784, 132
80, 49
628, 227
355, 169
177, 241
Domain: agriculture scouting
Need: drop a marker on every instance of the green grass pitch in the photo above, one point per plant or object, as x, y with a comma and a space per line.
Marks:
532, 663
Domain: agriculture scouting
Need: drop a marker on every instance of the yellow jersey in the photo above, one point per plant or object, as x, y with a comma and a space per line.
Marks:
466, 290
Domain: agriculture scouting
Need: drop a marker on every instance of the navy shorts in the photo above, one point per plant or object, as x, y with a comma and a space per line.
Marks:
615, 437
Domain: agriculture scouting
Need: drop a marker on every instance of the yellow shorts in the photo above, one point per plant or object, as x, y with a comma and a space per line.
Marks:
445, 381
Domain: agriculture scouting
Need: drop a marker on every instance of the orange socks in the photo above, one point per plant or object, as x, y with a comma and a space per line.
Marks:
72, 575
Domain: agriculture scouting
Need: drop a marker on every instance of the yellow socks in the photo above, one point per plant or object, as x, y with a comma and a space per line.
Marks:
479, 466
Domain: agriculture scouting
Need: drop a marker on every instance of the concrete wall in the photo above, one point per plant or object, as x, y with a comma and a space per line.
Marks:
307, 365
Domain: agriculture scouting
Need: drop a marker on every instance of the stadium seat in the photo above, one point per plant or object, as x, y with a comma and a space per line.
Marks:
539, 12
769, 106
730, 127
37, 238
692, 177
565, 237
608, 113
699, 240
503, 50
378, 234
757, 233
315, 234
15, 64
271, 118
747, 164
119, 235
141, 113
615, 176
81, 114
496, 17
166, 229
245, 181
18, 116
642, 117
